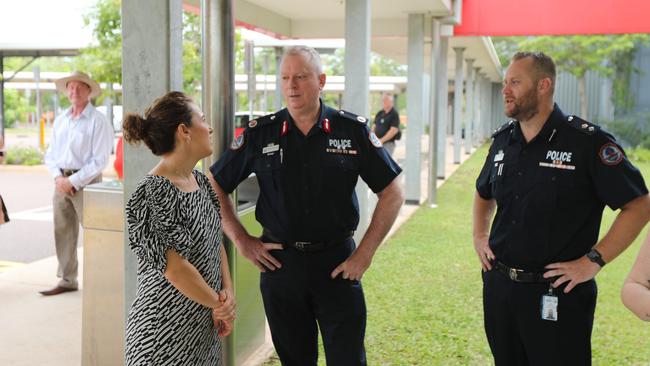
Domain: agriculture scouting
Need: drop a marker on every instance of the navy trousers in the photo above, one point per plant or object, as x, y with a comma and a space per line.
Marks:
301, 297
519, 336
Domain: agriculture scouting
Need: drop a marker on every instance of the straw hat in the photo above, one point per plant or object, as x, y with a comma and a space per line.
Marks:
79, 76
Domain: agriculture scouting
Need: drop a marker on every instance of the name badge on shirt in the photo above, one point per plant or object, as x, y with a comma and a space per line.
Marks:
499, 156
270, 148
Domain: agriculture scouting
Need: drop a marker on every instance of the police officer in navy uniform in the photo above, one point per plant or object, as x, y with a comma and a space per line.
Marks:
307, 159
549, 176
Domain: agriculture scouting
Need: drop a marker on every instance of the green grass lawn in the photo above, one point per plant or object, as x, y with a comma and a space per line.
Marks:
423, 290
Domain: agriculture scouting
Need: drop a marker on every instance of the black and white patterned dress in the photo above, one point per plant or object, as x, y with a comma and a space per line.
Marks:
164, 327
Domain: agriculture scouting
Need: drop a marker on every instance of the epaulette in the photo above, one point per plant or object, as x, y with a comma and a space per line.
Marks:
262, 121
506, 126
352, 117
582, 125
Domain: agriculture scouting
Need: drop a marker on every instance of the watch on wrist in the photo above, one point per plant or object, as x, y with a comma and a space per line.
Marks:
595, 257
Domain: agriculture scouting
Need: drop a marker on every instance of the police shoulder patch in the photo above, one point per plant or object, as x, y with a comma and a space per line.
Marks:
353, 117
610, 154
506, 126
582, 125
238, 142
374, 140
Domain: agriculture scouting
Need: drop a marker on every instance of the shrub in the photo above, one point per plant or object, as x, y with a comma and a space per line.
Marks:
639, 154
22, 155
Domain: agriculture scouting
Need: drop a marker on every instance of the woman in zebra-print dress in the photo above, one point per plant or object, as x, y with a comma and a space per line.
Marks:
184, 301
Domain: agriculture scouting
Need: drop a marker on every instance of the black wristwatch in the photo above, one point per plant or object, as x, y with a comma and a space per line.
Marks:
595, 257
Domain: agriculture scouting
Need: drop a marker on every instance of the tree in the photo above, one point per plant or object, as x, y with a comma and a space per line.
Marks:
103, 60
579, 54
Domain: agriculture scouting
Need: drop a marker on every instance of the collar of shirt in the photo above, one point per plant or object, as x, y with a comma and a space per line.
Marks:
319, 122
548, 131
87, 112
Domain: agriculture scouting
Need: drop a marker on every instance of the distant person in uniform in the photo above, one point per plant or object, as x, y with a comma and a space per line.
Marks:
636, 289
307, 159
79, 149
549, 177
387, 124
184, 301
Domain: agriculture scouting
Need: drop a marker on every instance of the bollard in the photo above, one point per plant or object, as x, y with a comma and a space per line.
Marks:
41, 135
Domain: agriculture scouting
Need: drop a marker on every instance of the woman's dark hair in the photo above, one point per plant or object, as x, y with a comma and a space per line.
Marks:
157, 127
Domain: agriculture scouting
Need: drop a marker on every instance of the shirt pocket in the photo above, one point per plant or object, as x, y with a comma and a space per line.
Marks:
267, 168
341, 170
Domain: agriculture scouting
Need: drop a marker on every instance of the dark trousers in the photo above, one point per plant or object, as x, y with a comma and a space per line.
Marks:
519, 336
301, 297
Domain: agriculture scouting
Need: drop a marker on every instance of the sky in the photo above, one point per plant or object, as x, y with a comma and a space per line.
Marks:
38, 23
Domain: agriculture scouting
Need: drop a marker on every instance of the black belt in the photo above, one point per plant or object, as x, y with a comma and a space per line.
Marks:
68, 172
307, 246
519, 275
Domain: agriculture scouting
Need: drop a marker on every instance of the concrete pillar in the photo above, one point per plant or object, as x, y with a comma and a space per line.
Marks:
443, 101
469, 115
357, 86
458, 103
218, 84
434, 120
415, 113
278, 89
249, 68
151, 66
478, 108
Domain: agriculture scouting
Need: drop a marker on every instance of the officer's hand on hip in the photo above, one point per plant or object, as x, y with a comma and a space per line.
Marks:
353, 268
576, 272
485, 255
257, 252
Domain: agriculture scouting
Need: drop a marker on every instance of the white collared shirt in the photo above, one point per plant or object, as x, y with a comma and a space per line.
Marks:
82, 143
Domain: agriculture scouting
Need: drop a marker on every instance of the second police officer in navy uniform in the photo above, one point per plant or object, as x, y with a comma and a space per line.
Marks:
549, 177
307, 159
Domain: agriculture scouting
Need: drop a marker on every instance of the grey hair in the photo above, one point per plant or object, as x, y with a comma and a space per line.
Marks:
310, 54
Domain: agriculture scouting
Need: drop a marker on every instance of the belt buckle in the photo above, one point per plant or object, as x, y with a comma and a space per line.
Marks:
513, 274
300, 245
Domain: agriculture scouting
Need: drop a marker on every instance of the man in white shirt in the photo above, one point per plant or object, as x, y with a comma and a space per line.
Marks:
79, 150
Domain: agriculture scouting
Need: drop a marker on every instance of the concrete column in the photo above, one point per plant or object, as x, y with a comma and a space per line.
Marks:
434, 120
415, 112
443, 101
151, 45
278, 89
249, 66
357, 86
478, 108
458, 103
218, 84
469, 115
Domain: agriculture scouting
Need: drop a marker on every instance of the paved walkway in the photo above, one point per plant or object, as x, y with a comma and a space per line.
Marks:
46, 331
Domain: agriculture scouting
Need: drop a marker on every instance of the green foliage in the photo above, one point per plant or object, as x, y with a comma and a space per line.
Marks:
192, 69
23, 155
579, 54
103, 60
16, 107
506, 47
640, 154
384, 66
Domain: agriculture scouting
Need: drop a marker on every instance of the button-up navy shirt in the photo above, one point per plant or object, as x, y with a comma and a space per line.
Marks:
551, 191
307, 182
